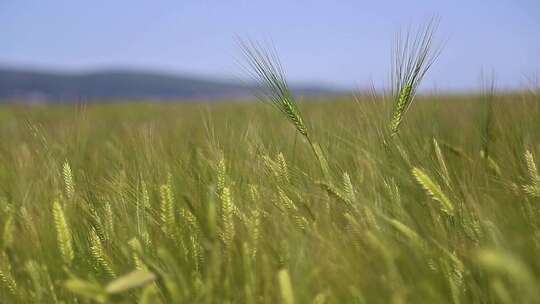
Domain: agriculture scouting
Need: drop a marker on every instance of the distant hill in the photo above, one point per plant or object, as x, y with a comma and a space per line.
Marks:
33, 85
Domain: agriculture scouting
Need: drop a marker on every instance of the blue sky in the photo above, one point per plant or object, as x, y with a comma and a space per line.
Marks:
345, 43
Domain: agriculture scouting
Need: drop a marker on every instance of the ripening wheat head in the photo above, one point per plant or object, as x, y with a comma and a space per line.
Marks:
283, 171
411, 58
68, 180
264, 67
348, 188
167, 215
434, 190
221, 174
533, 188
227, 212
285, 286
98, 253
8, 233
63, 234
7, 279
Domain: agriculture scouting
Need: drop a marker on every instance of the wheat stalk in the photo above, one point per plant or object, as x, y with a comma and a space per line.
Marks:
487, 118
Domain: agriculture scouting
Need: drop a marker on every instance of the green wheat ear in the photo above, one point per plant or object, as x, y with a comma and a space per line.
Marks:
68, 180
402, 102
7, 279
35, 272
63, 234
434, 190
137, 249
221, 174
533, 188
227, 212
266, 70
442, 162
283, 170
411, 59
167, 215
406, 231
96, 249
8, 233
109, 221
285, 286
348, 188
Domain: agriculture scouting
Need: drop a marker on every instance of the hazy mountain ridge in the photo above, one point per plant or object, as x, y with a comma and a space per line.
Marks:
39, 85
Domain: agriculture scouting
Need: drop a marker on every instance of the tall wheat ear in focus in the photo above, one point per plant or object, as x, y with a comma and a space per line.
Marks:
412, 57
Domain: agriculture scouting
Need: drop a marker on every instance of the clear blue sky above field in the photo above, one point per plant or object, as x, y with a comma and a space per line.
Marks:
344, 43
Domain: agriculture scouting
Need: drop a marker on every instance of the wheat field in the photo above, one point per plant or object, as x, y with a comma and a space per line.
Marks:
377, 198
229, 203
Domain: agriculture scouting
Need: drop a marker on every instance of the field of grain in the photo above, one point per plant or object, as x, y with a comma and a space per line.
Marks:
229, 203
